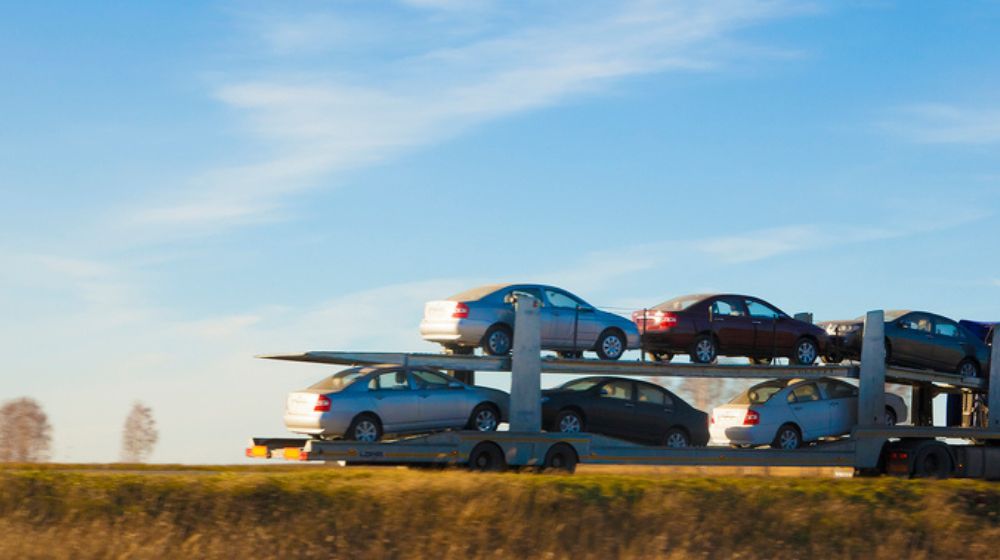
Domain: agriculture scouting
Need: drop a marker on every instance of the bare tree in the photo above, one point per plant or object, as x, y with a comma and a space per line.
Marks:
25, 434
139, 434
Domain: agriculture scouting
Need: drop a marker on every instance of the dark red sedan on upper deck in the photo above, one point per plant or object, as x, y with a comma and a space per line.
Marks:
706, 326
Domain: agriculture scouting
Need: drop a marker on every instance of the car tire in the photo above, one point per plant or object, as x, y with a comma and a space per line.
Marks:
704, 350
806, 352
660, 357
568, 421
676, 438
611, 345
572, 355
487, 457
484, 418
788, 436
365, 428
498, 340
890, 416
560, 457
968, 368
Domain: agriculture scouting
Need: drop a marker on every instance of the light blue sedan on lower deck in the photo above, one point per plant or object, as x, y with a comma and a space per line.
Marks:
365, 403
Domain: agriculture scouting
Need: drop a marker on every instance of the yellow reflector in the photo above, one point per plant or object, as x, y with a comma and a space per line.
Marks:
259, 451
292, 453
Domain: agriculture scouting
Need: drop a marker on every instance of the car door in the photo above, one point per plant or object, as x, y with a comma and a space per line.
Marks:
395, 402
564, 320
843, 401
774, 335
810, 409
913, 341
949, 347
439, 404
653, 413
612, 411
730, 323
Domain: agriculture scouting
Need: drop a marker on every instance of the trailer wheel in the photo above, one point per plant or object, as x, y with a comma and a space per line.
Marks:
560, 457
932, 461
487, 457
365, 427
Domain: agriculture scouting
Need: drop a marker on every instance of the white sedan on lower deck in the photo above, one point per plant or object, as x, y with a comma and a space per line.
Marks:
785, 414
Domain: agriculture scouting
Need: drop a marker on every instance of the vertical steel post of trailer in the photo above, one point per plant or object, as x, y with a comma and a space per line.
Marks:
526, 367
993, 402
871, 398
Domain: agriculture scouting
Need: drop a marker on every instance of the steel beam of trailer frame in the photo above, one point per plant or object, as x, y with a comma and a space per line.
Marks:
526, 445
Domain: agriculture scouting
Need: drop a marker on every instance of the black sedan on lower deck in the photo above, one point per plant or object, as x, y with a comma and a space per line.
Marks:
626, 409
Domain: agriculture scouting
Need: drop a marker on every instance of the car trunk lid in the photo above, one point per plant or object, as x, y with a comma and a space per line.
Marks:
303, 402
730, 414
443, 309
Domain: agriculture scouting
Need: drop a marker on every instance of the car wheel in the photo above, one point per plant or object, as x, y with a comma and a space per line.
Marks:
968, 368
570, 355
560, 457
487, 457
610, 345
662, 357
568, 422
806, 352
704, 349
366, 428
498, 340
676, 438
484, 418
890, 416
788, 437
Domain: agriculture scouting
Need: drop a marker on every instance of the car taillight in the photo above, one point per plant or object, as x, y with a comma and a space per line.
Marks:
752, 418
655, 320
461, 311
899, 455
322, 404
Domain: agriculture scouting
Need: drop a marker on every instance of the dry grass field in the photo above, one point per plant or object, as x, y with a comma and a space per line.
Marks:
314, 512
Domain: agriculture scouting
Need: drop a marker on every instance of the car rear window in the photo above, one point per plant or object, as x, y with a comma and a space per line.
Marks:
340, 380
759, 394
476, 294
679, 303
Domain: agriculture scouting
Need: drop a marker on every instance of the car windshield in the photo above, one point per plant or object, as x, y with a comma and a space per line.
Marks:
759, 394
579, 384
679, 303
340, 380
476, 294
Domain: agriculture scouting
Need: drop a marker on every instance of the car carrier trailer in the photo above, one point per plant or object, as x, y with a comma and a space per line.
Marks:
919, 449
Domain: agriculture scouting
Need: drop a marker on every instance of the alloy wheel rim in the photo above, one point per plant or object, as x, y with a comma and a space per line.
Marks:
705, 351
968, 370
807, 354
612, 346
486, 421
569, 424
789, 439
676, 440
365, 431
499, 342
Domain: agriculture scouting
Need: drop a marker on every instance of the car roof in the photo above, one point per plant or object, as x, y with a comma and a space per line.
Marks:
479, 292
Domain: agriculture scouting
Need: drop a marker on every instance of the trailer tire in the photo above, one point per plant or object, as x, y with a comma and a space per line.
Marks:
363, 425
560, 457
933, 461
487, 457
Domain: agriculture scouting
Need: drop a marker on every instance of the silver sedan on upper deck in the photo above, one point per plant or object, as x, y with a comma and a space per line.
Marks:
484, 317
363, 403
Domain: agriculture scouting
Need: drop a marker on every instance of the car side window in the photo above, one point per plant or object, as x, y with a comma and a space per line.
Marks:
761, 309
617, 390
804, 393
946, 328
533, 292
424, 379
727, 307
838, 389
559, 299
916, 323
391, 381
653, 395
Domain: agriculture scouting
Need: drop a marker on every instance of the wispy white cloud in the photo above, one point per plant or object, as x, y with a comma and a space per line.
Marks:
328, 118
937, 123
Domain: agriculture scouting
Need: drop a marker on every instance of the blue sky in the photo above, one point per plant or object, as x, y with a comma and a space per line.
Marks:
186, 186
